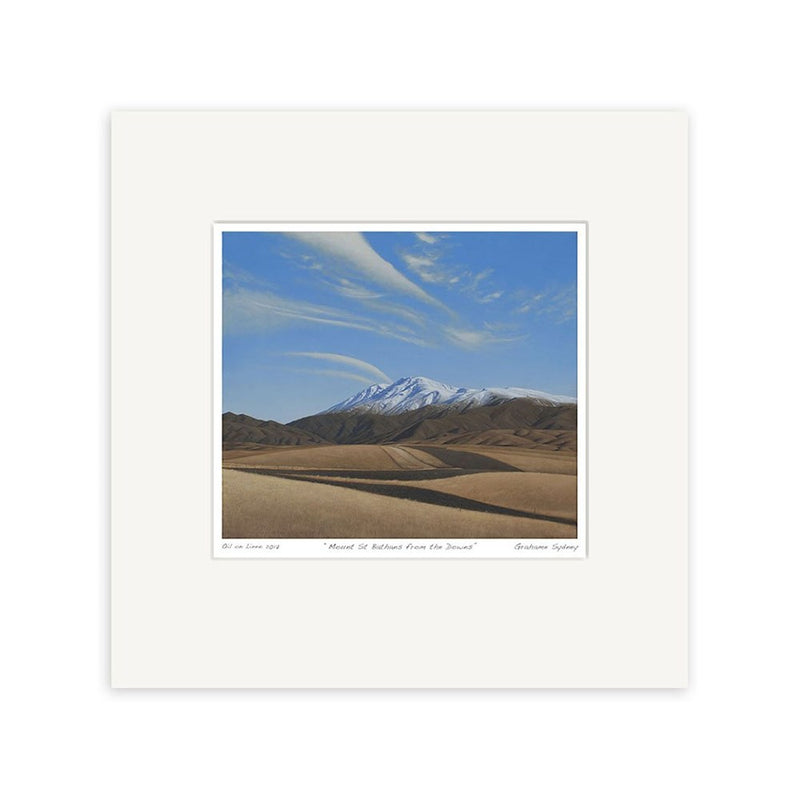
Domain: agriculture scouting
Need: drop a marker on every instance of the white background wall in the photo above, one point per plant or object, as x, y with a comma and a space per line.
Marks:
733, 734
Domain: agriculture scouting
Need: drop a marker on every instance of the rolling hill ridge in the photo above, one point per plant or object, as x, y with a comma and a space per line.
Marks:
521, 421
240, 429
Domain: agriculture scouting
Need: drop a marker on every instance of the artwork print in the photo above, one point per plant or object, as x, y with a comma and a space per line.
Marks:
384, 390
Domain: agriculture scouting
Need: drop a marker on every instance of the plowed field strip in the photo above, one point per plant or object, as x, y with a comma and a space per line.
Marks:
467, 460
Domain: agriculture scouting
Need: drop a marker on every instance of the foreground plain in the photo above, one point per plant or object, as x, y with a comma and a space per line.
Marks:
399, 491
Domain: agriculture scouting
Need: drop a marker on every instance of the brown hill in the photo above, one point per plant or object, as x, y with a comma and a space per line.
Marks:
556, 440
240, 429
443, 423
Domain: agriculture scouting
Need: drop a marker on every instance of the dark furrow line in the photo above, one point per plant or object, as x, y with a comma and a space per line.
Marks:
369, 474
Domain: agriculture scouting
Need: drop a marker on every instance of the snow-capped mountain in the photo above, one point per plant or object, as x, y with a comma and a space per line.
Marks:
408, 394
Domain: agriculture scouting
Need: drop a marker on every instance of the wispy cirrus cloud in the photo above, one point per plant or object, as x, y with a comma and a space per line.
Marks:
417, 319
233, 275
490, 298
249, 311
426, 268
338, 373
476, 338
431, 266
353, 251
380, 299
432, 262
352, 290
348, 361
558, 303
472, 282
416, 262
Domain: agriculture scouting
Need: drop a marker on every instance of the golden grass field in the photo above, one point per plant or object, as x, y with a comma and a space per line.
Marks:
418, 490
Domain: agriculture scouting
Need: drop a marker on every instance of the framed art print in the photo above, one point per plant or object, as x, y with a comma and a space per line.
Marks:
335, 441
399, 399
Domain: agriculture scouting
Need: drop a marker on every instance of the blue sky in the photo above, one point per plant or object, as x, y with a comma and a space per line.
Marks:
312, 318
